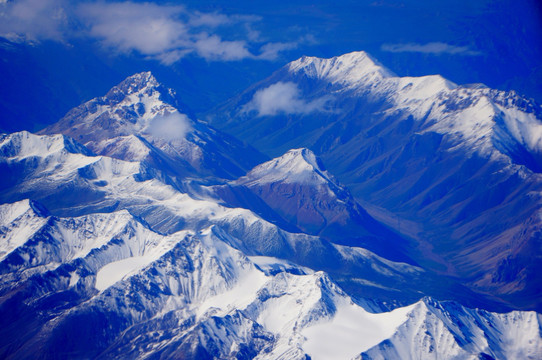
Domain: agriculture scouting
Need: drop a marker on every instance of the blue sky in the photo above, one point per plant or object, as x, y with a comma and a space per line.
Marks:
211, 50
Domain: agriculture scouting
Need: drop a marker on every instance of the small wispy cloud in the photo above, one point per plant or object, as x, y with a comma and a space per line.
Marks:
283, 97
209, 19
212, 47
170, 127
434, 48
271, 51
166, 33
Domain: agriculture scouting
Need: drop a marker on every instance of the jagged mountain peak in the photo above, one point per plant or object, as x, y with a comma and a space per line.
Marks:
128, 108
359, 71
484, 119
463, 333
139, 85
111, 264
139, 81
495, 124
347, 69
296, 190
413, 146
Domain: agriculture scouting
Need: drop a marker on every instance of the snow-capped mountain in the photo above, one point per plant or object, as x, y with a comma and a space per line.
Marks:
455, 167
141, 120
462, 333
103, 285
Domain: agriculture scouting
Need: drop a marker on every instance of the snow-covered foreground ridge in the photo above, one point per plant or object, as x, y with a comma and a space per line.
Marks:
191, 295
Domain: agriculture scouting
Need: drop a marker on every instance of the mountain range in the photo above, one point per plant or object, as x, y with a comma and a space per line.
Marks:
456, 168
331, 211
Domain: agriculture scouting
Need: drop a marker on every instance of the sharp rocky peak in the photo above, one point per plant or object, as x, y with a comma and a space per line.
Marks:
137, 83
127, 109
303, 155
359, 70
488, 121
139, 86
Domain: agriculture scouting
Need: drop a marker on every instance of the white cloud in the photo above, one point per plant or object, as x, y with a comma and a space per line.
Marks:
271, 51
33, 20
214, 48
170, 127
435, 48
163, 32
168, 33
209, 19
283, 97
147, 28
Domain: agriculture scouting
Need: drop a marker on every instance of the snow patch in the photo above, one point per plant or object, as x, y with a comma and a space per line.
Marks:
129, 148
524, 127
18, 223
116, 271
243, 293
351, 331
74, 279
10, 212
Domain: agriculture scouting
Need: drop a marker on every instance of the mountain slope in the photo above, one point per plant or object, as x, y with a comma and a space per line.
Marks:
66, 177
461, 332
71, 184
436, 161
297, 188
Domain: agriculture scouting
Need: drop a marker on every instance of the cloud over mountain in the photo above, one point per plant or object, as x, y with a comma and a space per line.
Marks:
283, 97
